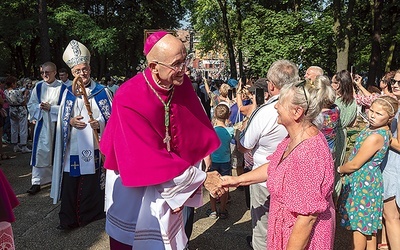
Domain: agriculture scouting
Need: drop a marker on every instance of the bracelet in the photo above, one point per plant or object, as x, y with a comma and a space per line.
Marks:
340, 173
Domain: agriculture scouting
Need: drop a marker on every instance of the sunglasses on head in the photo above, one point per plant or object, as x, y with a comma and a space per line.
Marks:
302, 84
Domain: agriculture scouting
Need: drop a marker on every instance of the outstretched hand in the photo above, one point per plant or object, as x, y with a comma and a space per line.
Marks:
213, 184
230, 181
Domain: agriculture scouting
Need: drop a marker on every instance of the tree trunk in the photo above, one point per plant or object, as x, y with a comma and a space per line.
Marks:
375, 60
32, 57
229, 43
44, 32
392, 35
19, 61
103, 70
342, 30
239, 30
21, 69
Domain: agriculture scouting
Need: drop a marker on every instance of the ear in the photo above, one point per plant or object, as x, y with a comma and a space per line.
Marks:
298, 113
391, 118
271, 86
153, 67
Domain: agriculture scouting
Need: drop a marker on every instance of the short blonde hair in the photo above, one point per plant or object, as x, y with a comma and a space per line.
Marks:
223, 90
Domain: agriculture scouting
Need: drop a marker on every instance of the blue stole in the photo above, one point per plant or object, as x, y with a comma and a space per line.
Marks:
39, 125
100, 96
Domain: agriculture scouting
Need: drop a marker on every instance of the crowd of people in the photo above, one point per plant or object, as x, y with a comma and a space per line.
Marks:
138, 154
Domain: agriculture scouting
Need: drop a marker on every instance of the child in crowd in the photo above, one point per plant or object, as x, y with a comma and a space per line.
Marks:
221, 158
360, 202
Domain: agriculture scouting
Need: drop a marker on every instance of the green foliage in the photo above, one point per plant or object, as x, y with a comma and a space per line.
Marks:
84, 28
112, 30
207, 22
271, 35
301, 31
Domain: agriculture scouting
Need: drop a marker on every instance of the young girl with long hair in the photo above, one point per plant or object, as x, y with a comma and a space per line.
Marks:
361, 199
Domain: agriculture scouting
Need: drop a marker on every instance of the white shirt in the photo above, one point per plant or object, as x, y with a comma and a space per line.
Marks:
263, 133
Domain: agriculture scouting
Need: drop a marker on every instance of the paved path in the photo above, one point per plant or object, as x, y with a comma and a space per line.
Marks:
37, 218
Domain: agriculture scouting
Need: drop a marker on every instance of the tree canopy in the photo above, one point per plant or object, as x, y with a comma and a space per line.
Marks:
333, 34
112, 30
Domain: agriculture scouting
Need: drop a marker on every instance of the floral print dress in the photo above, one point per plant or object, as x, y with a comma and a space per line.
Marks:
330, 126
361, 200
301, 184
15, 99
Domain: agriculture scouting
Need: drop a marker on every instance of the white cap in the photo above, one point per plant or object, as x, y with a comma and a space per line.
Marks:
76, 53
226, 104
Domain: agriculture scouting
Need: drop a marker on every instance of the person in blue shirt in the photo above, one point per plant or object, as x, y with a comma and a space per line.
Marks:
221, 158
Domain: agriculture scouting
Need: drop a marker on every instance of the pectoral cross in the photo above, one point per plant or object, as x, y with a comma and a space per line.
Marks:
167, 139
75, 165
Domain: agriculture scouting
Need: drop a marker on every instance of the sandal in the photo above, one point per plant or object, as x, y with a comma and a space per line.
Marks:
4, 157
223, 215
383, 246
213, 215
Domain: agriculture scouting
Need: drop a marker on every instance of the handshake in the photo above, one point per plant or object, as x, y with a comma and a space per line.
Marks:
218, 185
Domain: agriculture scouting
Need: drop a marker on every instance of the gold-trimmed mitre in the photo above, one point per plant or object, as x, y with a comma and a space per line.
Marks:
76, 53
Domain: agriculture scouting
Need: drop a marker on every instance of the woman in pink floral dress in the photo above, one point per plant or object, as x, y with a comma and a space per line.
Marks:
300, 175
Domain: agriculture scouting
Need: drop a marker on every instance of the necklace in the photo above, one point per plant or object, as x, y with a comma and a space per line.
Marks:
81, 107
295, 137
167, 138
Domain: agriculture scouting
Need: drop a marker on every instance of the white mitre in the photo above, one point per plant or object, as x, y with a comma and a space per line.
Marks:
76, 53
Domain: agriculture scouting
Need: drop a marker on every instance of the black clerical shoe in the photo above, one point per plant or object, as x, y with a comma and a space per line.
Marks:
63, 228
34, 189
249, 240
66, 228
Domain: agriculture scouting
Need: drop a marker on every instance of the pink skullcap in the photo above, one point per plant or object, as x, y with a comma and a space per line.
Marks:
152, 40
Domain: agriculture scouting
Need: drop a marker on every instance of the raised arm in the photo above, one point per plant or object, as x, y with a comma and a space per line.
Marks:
369, 147
358, 82
206, 86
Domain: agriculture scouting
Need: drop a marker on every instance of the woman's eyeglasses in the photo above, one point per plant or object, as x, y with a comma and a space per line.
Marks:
302, 84
393, 82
